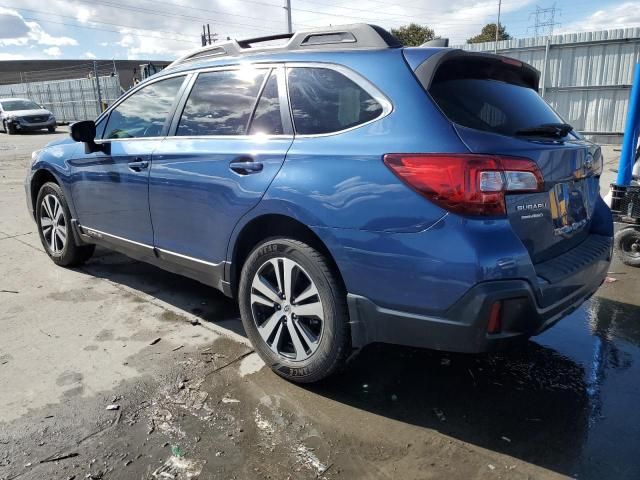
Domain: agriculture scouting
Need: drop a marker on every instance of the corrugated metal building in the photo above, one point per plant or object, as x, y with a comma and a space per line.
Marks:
585, 76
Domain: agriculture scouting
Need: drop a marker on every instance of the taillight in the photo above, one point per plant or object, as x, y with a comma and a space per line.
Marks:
469, 184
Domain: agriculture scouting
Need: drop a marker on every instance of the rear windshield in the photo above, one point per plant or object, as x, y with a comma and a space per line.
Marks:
492, 102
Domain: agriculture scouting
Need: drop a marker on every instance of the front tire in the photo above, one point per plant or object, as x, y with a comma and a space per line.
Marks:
51, 129
627, 245
9, 129
294, 310
54, 226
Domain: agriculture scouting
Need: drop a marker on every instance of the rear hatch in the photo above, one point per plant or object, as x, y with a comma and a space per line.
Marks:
493, 104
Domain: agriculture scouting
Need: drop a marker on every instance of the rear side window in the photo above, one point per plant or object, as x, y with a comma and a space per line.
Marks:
221, 103
267, 119
145, 112
489, 96
324, 101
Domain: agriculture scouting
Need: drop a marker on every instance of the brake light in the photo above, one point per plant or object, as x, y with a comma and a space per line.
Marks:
469, 184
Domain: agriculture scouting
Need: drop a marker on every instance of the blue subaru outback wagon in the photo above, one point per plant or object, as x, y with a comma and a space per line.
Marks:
344, 189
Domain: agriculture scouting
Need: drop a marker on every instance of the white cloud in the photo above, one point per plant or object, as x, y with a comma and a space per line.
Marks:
38, 35
11, 24
142, 46
620, 16
83, 14
15, 31
53, 51
89, 55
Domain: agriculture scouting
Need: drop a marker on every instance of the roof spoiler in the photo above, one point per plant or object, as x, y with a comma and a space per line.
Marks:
436, 43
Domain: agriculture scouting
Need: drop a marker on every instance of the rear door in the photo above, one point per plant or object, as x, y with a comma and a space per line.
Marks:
494, 105
230, 138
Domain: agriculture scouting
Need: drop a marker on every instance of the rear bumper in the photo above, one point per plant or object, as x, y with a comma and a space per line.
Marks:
463, 327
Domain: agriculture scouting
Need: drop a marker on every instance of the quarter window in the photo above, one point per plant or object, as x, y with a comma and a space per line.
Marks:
324, 101
221, 103
145, 112
267, 119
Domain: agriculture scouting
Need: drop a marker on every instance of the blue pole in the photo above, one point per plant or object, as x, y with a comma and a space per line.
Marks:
628, 155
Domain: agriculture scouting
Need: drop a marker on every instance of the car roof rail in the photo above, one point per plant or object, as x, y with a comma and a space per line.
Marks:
338, 37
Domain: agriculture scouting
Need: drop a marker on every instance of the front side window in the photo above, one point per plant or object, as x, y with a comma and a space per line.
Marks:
324, 101
145, 112
221, 103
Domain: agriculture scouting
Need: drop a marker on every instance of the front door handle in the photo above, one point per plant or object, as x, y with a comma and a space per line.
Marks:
138, 165
246, 167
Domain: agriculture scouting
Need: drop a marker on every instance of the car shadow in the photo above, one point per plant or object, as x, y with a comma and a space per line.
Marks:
562, 401
206, 303
541, 402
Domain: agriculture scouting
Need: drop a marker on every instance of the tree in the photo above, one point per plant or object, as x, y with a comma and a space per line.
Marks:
488, 34
413, 35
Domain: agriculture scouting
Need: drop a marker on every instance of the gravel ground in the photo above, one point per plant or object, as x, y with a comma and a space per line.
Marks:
90, 392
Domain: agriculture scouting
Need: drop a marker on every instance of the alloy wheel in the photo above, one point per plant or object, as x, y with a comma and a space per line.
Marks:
53, 224
287, 309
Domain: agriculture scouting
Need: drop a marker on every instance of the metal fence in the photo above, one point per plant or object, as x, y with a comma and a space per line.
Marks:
69, 100
586, 77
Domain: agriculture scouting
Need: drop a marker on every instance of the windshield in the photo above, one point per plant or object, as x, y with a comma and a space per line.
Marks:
13, 105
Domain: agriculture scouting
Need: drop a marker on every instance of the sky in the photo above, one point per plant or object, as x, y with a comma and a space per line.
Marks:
165, 29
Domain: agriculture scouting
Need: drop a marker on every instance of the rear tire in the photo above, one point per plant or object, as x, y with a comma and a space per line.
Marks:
294, 310
54, 226
627, 245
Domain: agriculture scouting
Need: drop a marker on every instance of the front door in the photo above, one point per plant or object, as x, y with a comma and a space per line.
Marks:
111, 190
230, 140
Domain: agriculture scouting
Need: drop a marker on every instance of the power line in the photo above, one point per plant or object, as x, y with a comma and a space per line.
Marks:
99, 22
108, 30
172, 15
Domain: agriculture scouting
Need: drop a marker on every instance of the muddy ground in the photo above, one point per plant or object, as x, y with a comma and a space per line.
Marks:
191, 399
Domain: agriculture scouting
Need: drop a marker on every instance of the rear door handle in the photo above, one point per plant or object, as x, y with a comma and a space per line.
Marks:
246, 167
138, 164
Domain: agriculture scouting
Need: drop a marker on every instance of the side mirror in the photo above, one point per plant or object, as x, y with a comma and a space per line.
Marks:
85, 132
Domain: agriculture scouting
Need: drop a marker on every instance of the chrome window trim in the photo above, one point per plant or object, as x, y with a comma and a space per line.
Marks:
255, 136
362, 82
109, 140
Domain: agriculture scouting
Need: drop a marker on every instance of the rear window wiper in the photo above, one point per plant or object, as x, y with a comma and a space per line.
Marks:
557, 130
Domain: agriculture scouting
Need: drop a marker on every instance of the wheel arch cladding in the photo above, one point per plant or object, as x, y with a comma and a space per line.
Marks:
269, 226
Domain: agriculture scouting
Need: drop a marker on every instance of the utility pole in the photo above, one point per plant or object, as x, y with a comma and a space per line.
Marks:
206, 37
287, 7
495, 45
95, 75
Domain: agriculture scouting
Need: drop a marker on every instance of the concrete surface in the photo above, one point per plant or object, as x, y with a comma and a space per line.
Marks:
198, 403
